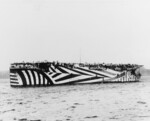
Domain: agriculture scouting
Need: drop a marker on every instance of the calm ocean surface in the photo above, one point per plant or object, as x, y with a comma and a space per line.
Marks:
96, 102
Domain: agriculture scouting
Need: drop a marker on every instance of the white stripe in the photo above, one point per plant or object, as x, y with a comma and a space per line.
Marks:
103, 73
87, 68
106, 79
50, 70
36, 77
74, 79
14, 84
92, 81
31, 76
57, 71
113, 80
11, 80
52, 67
120, 80
60, 76
19, 80
69, 71
14, 81
88, 73
13, 77
26, 76
50, 76
41, 78
46, 81
12, 74
112, 71
109, 73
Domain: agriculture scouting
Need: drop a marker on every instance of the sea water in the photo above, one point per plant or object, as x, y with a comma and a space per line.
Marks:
95, 102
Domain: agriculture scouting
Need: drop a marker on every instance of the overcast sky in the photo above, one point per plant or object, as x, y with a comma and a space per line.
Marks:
110, 31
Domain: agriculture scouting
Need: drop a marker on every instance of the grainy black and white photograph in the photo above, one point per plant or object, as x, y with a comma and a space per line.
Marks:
74, 60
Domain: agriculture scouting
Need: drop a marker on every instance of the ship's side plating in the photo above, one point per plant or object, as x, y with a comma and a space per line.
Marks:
29, 77
59, 75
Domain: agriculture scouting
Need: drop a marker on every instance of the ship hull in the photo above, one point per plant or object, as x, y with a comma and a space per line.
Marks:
60, 75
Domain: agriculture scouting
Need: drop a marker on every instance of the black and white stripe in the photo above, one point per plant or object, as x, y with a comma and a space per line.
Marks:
65, 75
30, 78
15, 79
126, 77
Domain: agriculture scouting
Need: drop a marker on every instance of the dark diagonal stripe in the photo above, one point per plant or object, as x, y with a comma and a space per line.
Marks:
52, 69
22, 78
13, 78
81, 73
86, 79
33, 77
39, 78
44, 76
50, 73
57, 74
14, 82
28, 77
61, 70
13, 75
66, 77
43, 80
92, 72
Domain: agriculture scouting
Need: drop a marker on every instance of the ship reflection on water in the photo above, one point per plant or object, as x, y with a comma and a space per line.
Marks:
96, 102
